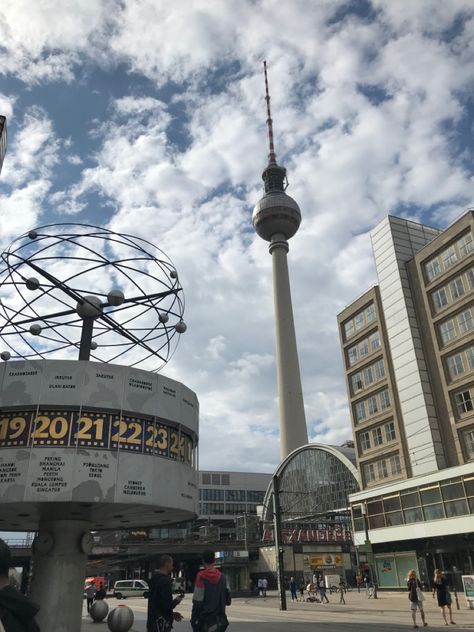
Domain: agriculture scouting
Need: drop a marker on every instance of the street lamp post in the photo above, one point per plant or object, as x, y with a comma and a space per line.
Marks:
278, 544
368, 550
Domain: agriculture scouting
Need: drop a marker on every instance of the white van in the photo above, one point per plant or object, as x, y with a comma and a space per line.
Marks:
130, 588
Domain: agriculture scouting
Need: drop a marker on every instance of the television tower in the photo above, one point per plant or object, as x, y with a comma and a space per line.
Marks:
276, 218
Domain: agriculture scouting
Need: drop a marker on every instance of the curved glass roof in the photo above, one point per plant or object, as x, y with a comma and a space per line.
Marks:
315, 480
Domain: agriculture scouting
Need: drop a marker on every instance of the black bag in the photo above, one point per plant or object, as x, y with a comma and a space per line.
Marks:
162, 625
213, 623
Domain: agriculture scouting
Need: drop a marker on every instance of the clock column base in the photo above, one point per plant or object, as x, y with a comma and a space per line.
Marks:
59, 569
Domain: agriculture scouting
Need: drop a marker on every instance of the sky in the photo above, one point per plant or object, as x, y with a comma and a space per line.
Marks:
148, 117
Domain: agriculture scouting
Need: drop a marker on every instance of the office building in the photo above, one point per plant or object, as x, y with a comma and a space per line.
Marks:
409, 362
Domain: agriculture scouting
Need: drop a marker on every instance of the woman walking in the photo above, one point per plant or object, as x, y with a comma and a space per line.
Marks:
442, 593
415, 595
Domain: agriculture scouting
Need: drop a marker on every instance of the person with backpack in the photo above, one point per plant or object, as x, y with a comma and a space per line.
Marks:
90, 596
17, 612
210, 598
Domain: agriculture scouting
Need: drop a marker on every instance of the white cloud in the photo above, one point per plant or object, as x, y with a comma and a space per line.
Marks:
351, 159
32, 155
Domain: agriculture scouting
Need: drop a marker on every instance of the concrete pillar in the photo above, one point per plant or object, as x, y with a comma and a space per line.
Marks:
59, 570
293, 431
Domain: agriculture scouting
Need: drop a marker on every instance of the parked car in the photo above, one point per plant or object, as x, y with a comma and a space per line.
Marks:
131, 588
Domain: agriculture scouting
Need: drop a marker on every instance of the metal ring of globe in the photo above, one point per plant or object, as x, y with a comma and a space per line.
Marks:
65, 287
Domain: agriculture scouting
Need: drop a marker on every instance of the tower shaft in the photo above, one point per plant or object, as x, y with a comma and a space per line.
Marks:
293, 430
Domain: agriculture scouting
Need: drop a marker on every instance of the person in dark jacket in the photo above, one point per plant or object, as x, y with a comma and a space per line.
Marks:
17, 613
211, 596
161, 604
440, 587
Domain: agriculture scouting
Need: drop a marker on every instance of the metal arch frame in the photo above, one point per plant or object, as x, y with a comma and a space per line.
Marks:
18, 249
332, 450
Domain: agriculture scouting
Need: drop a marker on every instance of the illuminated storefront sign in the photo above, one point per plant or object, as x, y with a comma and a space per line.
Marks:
310, 535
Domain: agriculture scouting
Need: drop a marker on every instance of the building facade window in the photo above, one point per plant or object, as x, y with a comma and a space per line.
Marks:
213, 494
447, 331
470, 277
369, 472
455, 365
377, 436
379, 368
235, 495
255, 496
364, 441
456, 287
470, 357
372, 405
384, 399
466, 245
360, 411
449, 257
374, 340
359, 321
382, 468
440, 299
432, 269
395, 466
469, 443
353, 355
460, 362
357, 383
363, 348
465, 321
464, 401
449, 498
368, 376
390, 434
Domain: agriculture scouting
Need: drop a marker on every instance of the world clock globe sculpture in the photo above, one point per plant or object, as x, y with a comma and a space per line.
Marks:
92, 435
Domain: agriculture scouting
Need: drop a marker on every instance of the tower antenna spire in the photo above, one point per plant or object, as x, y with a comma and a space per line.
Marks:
271, 155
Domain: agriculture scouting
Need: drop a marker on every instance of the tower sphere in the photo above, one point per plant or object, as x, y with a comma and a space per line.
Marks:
276, 213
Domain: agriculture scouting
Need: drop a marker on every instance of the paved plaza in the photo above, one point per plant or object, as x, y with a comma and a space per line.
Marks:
389, 612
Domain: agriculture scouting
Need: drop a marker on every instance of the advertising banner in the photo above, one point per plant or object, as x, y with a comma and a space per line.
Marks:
468, 585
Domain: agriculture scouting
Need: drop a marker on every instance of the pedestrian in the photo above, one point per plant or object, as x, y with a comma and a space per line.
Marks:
161, 605
100, 594
251, 586
17, 613
210, 598
264, 586
415, 595
341, 591
322, 589
90, 596
444, 597
302, 587
367, 583
293, 590
358, 580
